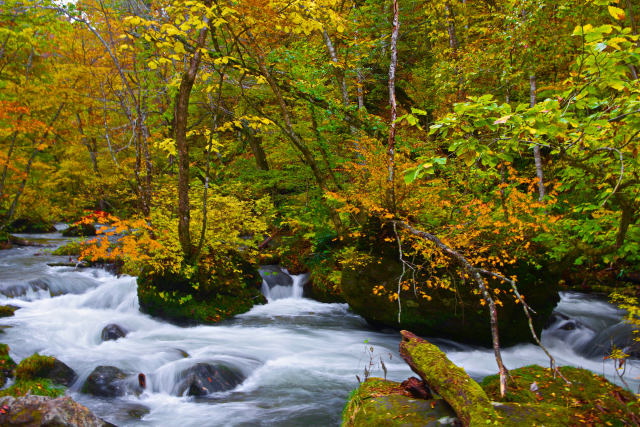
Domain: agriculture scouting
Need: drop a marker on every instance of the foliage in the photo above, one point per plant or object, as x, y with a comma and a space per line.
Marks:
38, 387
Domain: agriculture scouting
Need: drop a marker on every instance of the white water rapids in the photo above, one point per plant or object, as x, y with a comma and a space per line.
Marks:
300, 357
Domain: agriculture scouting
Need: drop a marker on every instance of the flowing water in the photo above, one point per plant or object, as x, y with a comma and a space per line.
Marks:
300, 357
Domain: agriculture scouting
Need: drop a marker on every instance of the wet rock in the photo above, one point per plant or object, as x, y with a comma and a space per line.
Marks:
274, 276
109, 381
202, 379
380, 402
35, 411
7, 310
37, 366
112, 332
80, 230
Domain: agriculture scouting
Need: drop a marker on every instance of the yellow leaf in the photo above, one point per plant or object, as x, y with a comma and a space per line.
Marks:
152, 65
617, 13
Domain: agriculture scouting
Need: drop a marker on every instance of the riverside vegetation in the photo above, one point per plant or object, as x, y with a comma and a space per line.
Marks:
445, 167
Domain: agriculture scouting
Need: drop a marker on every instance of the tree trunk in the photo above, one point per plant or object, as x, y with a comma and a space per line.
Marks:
180, 128
391, 144
536, 148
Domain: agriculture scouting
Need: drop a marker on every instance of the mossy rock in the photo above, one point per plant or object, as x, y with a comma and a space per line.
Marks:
80, 230
8, 310
379, 402
31, 225
7, 365
208, 297
38, 387
454, 314
320, 286
37, 366
72, 248
34, 411
590, 399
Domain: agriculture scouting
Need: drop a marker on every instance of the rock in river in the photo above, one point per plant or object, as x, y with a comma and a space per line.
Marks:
203, 378
35, 411
112, 332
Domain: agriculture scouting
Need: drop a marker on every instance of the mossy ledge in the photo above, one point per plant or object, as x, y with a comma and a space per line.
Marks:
589, 399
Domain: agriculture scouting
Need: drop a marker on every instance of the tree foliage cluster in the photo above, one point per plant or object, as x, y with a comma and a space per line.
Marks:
205, 127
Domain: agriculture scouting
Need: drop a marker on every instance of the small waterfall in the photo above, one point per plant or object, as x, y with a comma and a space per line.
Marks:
277, 283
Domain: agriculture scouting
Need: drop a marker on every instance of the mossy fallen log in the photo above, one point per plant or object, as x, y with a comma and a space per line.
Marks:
451, 382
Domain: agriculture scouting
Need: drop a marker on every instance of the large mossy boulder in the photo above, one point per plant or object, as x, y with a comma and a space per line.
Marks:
455, 313
379, 402
48, 367
232, 286
34, 411
588, 399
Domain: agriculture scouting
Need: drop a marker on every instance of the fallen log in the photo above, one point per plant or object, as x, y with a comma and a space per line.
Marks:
449, 381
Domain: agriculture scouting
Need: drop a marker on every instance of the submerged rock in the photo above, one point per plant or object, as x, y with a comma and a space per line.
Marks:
37, 366
109, 381
112, 332
203, 378
35, 411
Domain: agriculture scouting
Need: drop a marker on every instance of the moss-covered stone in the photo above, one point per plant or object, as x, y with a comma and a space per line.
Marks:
73, 248
8, 310
324, 284
35, 411
37, 366
38, 387
379, 402
207, 297
454, 314
589, 399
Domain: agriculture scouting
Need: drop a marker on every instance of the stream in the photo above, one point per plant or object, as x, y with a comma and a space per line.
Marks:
300, 357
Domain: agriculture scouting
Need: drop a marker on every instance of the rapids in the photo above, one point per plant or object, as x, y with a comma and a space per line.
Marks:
300, 357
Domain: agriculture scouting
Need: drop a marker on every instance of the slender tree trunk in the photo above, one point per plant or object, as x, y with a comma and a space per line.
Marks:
339, 72
181, 120
536, 148
454, 45
391, 144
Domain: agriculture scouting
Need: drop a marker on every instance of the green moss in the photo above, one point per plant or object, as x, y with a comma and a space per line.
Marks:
590, 398
7, 365
379, 402
195, 310
7, 310
38, 386
74, 247
35, 366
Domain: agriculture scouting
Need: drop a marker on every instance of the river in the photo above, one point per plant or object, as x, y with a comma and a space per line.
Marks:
300, 357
